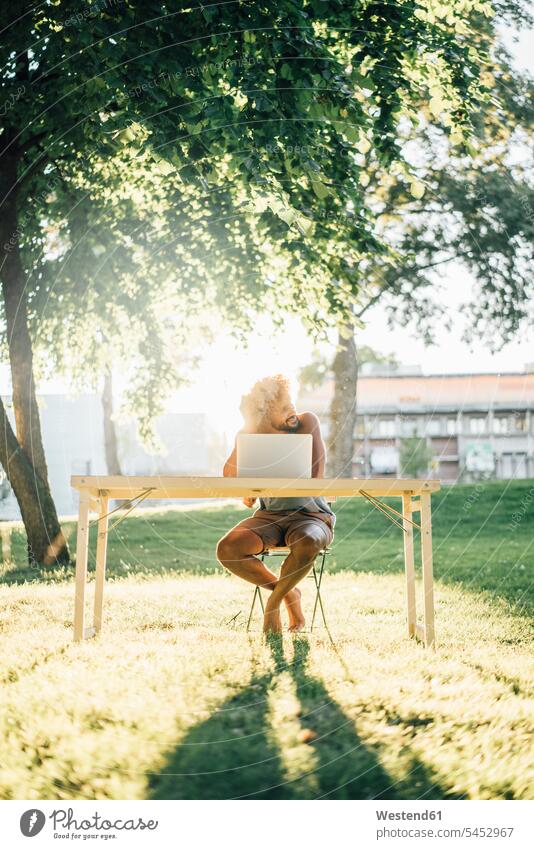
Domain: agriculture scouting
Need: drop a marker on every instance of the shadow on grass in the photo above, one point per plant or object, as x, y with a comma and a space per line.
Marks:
234, 753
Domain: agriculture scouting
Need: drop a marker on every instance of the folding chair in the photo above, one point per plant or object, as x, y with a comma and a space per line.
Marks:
317, 575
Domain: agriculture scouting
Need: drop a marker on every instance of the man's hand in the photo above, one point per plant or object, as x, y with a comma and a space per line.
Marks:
249, 502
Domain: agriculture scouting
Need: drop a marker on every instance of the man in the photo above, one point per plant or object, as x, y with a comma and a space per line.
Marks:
305, 525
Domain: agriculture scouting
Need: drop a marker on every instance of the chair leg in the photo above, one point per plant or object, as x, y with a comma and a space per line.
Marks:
317, 576
258, 589
322, 610
318, 599
257, 594
252, 608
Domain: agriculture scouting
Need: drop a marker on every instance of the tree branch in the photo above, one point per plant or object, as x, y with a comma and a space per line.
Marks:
38, 163
377, 297
34, 140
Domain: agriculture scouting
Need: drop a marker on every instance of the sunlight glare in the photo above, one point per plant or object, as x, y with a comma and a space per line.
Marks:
228, 370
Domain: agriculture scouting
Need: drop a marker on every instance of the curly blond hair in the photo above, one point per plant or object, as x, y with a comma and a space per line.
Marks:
256, 405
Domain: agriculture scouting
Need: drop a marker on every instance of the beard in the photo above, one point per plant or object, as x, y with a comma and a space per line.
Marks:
285, 428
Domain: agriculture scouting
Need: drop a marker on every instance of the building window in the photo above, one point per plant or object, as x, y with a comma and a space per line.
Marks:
520, 422
511, 423
386, 427
409, 426
362, 426
514, 466
433, 427
477, 424
501, 424
452, 427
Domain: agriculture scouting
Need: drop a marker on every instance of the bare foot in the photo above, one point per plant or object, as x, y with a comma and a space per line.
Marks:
294, 610
272, 624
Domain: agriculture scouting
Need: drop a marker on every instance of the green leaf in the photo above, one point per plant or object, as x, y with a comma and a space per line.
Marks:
417, 189
320, 189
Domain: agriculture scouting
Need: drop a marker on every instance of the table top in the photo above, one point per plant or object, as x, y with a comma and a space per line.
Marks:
195, 486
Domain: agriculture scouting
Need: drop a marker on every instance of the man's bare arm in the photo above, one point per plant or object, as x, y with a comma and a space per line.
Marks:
313, 425
230, 467
230, 471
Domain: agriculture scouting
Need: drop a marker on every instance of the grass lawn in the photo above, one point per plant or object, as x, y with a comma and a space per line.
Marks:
175, 700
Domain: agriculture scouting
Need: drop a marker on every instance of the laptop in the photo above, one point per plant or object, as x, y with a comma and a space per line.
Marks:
273, 455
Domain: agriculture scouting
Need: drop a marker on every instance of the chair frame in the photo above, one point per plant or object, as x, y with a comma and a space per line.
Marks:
317, 574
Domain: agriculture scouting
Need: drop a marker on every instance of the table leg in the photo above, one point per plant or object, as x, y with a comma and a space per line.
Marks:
428, 578
82, 550
101, 550
409, 566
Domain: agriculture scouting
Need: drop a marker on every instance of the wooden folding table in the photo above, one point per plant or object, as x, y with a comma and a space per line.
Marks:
96, 493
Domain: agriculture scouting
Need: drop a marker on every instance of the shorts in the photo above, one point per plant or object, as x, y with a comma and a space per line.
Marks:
285, 527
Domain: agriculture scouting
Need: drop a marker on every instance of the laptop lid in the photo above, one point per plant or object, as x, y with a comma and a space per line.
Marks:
273, 455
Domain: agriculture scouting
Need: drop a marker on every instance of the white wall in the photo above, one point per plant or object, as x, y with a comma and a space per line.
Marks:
73, 437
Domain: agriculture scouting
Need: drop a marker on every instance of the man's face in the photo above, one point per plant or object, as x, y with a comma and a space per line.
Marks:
284, 416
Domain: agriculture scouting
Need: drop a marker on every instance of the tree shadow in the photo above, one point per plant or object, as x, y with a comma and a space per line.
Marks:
234, 753
227, 756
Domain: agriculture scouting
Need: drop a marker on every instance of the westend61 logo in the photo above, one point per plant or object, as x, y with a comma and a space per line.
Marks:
33, 820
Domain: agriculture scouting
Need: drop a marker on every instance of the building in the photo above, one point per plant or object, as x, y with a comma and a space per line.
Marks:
475, 424
73, 437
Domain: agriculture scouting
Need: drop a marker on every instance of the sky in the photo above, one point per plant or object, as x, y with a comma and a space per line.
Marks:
227, 370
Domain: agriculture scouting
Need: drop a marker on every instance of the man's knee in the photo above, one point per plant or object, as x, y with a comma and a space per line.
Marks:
237, 544
226, 548
307, 545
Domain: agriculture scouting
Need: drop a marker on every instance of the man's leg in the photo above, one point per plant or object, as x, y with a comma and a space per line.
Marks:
305, 545
236, 550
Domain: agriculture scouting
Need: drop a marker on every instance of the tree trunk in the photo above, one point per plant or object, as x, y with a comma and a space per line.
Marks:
343, 407
18, 336
46, 543
45, 539
110, 435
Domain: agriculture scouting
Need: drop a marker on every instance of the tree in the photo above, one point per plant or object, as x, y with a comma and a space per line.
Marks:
343, 405
314, 374
479, 215
347, 362
330, 76
343, 371
22, 455
473, 211
110, 436
414, 456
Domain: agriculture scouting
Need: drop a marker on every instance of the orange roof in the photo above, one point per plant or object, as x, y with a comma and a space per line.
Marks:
435, 391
